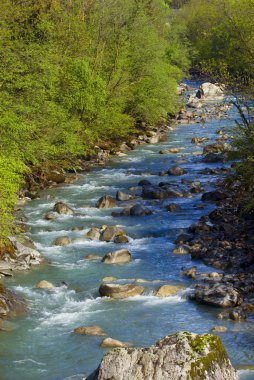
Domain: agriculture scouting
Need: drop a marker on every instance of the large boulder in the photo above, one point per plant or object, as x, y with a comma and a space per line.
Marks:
120, 291
106, 202
56, 176
121, 256
62, 208
211, 91
219, 295
182, 356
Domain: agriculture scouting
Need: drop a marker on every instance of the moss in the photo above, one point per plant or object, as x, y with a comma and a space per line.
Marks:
205, 363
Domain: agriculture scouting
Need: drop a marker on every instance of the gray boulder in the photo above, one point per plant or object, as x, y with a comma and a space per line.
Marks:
182, 356
218, 295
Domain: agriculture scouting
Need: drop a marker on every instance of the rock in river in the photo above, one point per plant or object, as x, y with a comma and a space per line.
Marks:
167, 290
62, 208
219, 295
121, 256
111, 232
62, 240
176, 170
112, 343
106, 202
139, 210
120, 291
43, 284
182, 356
89, 330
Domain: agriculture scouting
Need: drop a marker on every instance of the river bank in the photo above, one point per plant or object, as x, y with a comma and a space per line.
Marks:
57, 312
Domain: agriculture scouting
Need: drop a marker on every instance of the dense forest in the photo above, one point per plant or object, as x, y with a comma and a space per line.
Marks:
76, 72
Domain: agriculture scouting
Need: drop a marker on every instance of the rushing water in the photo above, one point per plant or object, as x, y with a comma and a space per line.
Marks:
42, 346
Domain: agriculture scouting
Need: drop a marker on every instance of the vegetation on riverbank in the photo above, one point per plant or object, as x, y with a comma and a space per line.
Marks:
221, 34
74, 73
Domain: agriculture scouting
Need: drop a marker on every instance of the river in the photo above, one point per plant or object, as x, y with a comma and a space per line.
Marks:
42, 345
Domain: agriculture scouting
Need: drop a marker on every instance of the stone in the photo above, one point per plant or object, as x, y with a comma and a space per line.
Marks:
50, 216
176, 170
121, 256
62, 240
214, 196
110, 233
215, 148
139, 210
109, 279
174, 207
190, 272
211, 91
210, 158
170, 150
218, 295
182, 239
219, 329
56, 176
122, 239
112, 343
11, 304
182, 356
182, 250
121, 196
106, 202
62, 208
144, 182
167, 290
236, 315
92, 257
89, 330
43, 284
94, 233
120, 291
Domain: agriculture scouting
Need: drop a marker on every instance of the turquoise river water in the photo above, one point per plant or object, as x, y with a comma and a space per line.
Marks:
42, 346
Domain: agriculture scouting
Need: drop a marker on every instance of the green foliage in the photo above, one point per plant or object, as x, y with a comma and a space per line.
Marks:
75, 72
221, 33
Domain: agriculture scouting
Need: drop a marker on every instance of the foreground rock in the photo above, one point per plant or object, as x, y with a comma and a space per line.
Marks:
121, 256
89, 330
182, 356
120, 291
11, 304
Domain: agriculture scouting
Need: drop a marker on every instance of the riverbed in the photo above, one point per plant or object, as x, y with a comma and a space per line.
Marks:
42, 345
